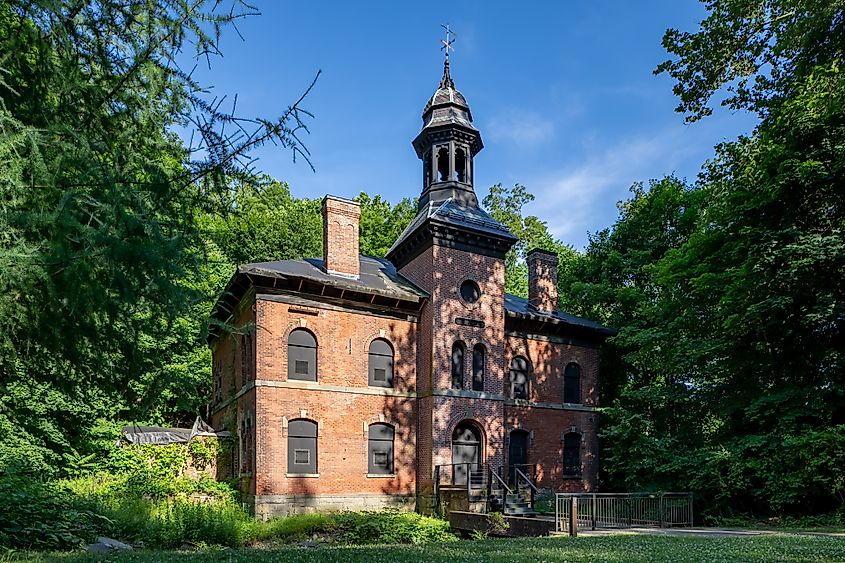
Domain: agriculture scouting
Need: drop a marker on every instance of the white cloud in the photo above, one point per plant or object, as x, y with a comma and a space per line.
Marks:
520, 127
582, 197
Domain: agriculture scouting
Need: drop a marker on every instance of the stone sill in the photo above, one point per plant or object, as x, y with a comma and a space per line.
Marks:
572, 477
381, 475
302, 475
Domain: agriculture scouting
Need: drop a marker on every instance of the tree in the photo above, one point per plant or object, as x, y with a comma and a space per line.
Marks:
99, 211
506, 206
758, 51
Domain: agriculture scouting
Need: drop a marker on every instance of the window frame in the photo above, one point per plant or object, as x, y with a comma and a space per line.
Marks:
381, 445
479, 371
572, 440
302, 436
298, 352
381, 360
458, 369
572, 384
527, 372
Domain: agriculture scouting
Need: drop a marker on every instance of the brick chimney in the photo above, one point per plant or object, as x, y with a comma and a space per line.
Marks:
340, 236
542, 280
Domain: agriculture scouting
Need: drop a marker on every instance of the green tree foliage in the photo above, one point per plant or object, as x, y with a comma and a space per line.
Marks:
382, 223
727, 377
758, 51
506, 206
99, 204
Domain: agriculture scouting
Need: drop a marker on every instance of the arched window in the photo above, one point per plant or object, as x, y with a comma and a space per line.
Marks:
247, 358
460, 165
443, 165
572, 383
458, 350
247, 440
572, 454
381, 363
518, 378
302, 447
302, 355
380, 449
478, 366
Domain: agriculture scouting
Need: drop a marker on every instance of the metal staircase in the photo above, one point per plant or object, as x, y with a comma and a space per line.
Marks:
486, 490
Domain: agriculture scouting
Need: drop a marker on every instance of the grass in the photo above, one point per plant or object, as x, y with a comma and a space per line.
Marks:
621, 548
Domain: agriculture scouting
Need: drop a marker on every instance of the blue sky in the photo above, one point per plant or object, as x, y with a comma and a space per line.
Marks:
562, 92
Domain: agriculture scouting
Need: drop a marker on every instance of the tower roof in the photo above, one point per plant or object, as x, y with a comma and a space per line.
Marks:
446, 93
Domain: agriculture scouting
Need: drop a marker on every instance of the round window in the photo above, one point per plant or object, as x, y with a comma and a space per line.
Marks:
470, 292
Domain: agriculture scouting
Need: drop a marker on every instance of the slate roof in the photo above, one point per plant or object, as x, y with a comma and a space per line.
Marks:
451, 212
519, 307
378, 276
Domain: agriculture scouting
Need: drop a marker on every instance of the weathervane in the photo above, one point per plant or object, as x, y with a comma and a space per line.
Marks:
450, 38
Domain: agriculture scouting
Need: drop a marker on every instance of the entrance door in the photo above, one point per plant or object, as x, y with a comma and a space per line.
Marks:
517, 453
466, 452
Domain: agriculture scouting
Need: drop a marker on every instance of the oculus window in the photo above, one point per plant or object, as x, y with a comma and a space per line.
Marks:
518, 378
470, 291
302, 447
380, 449
380, 364
302, 355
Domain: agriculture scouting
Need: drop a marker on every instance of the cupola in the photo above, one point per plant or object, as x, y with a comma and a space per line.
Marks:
446, 145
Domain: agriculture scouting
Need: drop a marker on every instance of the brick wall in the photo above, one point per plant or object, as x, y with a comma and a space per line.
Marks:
340, 402
547, 425
548, 361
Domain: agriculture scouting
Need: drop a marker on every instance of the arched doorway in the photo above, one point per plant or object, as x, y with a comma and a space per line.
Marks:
466, 451
517, 452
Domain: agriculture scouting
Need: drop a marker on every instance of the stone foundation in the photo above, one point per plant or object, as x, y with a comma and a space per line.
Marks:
268, 506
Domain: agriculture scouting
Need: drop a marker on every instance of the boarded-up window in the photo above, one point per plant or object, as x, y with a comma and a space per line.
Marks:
458, 350
572, 384
380, 363
302, 355
302, 447
518, 378
380, 449
572, 454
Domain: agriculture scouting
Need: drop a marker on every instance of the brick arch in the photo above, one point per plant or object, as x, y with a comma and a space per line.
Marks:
298, 416
376, 335
381, 418
292, 326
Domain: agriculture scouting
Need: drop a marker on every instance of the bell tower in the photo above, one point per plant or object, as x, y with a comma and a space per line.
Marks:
455, 251
447, 145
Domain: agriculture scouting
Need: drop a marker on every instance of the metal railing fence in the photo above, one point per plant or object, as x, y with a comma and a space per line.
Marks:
623, 510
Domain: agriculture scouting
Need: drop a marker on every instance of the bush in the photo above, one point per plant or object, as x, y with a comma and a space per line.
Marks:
355, 528
36, 515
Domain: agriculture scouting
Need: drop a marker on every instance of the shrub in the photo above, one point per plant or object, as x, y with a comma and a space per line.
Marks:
36, 515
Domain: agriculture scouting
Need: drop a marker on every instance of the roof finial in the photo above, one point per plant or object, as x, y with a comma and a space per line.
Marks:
446, 81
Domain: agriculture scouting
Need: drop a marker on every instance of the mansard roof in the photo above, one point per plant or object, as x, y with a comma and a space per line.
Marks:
437, 218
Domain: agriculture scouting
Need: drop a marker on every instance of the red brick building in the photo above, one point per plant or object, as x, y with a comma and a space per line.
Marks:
353, 381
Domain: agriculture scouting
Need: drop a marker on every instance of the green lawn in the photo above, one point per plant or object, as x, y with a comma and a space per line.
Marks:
534, 550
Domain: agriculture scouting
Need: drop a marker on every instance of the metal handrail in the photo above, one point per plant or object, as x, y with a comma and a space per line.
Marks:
534, 489
500, 480
527, 480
